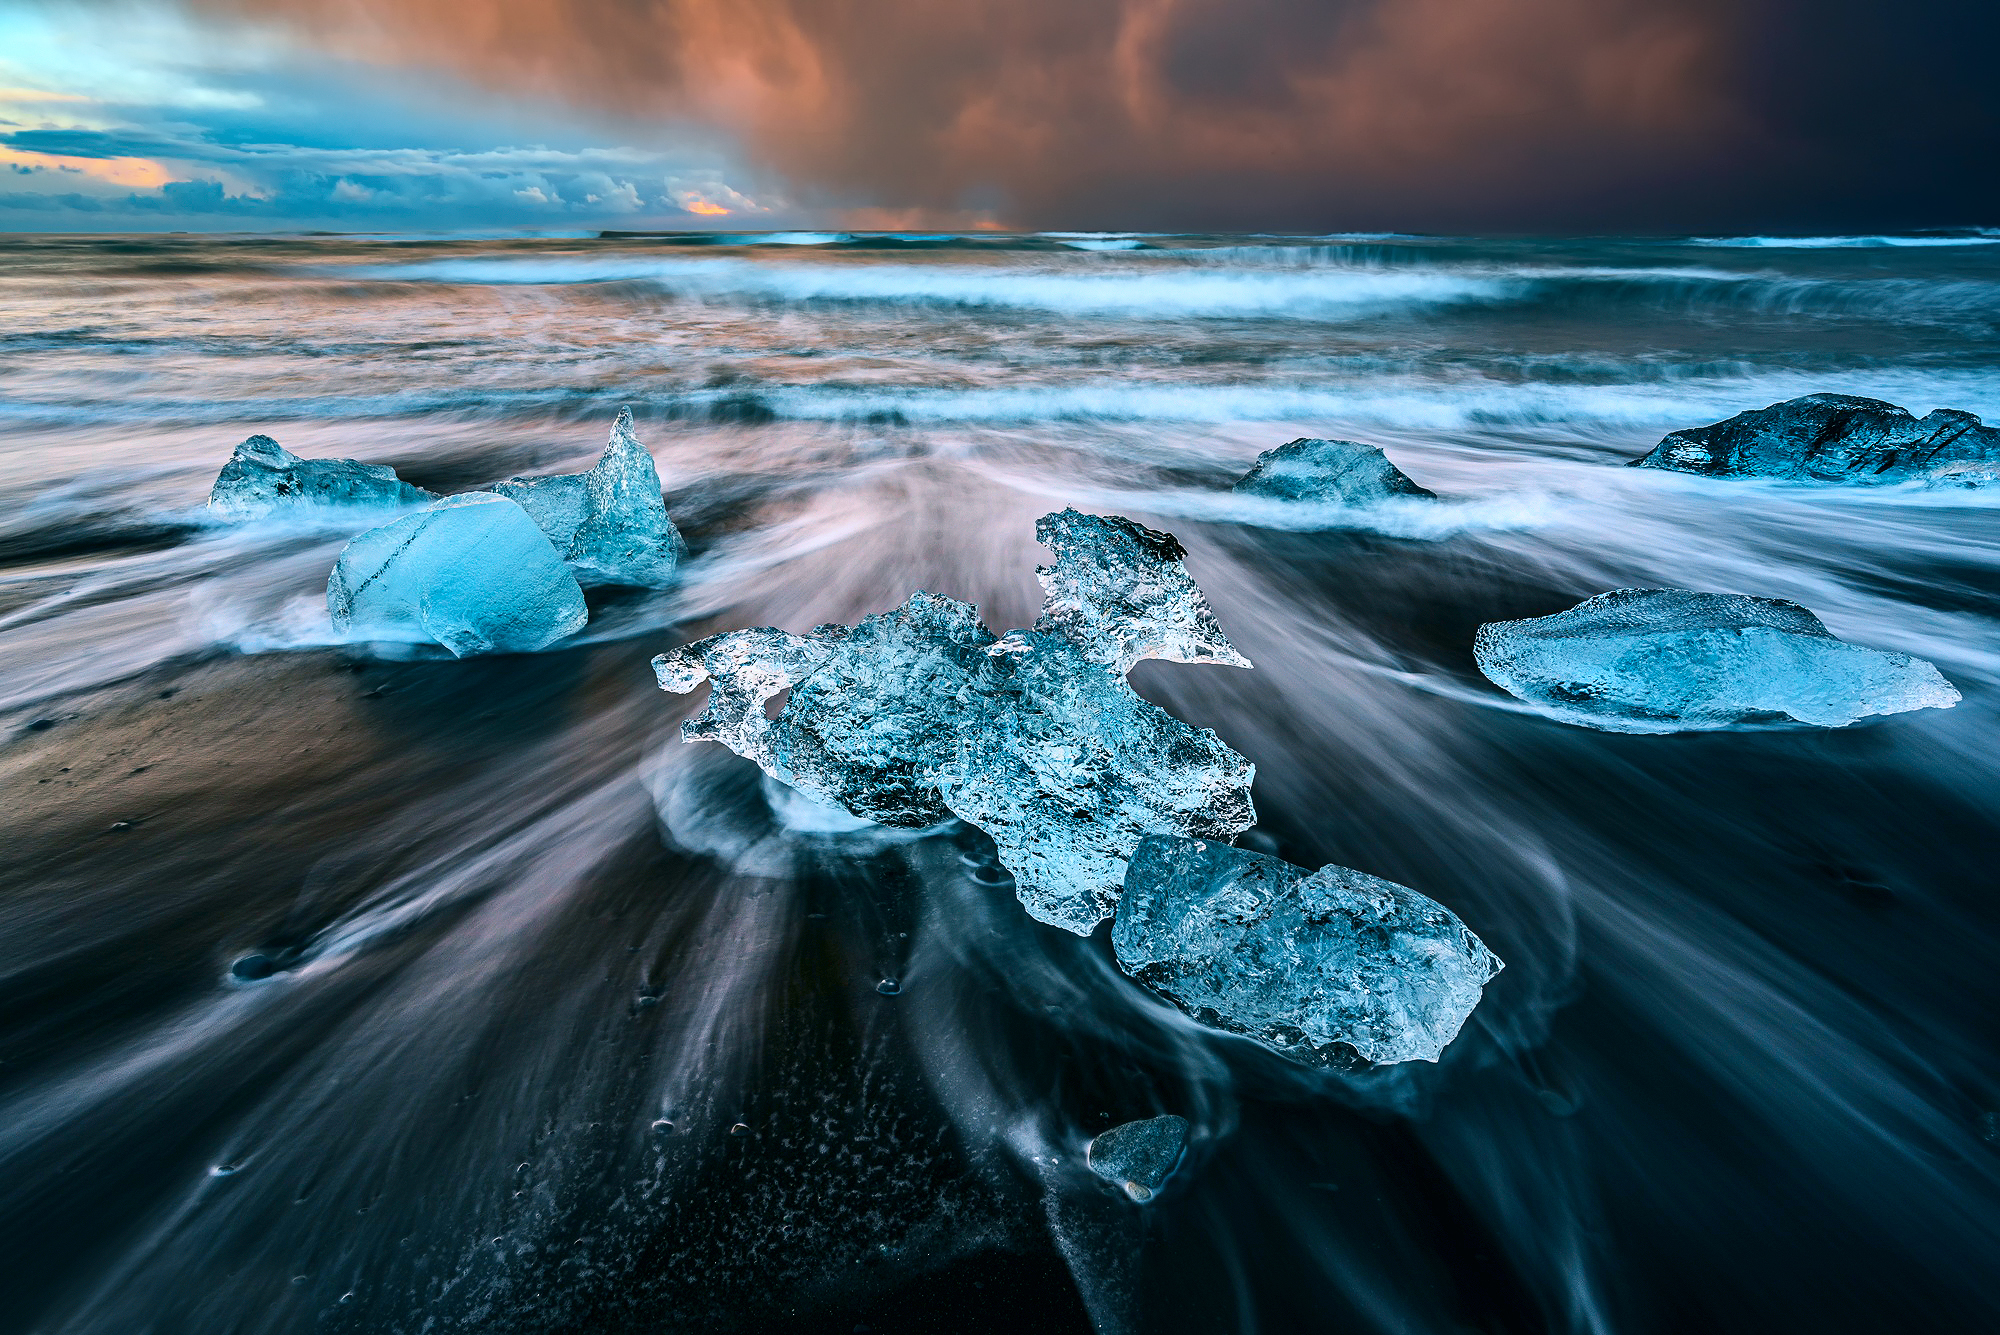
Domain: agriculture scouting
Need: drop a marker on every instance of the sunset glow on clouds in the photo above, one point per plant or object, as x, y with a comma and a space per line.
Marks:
1282, 114
139, 117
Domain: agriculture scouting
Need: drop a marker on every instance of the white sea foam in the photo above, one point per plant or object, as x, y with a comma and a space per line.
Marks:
1436, 404
1164, 293
1984, 237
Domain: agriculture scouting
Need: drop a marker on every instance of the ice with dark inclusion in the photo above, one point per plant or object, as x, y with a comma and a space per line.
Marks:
1311, 964
609, 523
1343, 472
1837, 438
263, 478
1139, 1156
920, 714
472, 573
1672, 660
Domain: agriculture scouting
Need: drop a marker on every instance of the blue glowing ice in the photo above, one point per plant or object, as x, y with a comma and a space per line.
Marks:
263, 478
1670, 660
1307, 963
609, 523
1344, 472
472, 573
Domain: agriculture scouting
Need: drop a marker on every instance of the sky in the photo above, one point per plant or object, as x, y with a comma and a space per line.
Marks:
1284, 115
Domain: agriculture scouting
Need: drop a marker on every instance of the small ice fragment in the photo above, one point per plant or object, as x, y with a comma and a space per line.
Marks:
1837, 438
1343, 472
1670, 660
1139, 1156
1299, 961
609, 523
472, 573
262, 478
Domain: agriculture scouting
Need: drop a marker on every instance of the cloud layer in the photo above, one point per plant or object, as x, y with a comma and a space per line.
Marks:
1359, 113
1560, 115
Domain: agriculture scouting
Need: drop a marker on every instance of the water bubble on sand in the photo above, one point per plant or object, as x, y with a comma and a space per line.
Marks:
888, 987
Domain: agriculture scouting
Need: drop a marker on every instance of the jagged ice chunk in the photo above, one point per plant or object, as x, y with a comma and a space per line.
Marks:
1344, 472
919, 714
472, 573
609, 523
1671, 660
1067, 769
1305, 963
1118, 591
1837, 438
1139, 1156
264, 478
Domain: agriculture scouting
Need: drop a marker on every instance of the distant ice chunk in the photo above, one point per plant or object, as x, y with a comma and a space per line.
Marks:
472, 573
609, 523
917, 715
263, 478
1670, 660
1139, 1156
1837, 438
1344, 472
1306, 963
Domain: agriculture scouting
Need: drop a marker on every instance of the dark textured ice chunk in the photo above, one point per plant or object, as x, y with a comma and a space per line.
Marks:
1139, 1156
1837, 438
472, 573
1306, 963
609, 523
1671, 660
263, 478
917, 715
1344, 472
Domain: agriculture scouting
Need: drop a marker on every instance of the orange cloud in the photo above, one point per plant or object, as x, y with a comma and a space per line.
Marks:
136, 173
1072, 108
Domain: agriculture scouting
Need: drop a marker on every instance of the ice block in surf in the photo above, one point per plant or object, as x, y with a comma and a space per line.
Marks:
609, 523
472, 573
1341, 472
1671, 660
263, 478
1311, 964
920, 714
1837, 438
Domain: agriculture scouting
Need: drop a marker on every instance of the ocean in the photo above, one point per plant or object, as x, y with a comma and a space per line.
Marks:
351, 990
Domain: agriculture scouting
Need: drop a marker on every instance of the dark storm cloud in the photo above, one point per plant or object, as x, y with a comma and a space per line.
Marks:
1270, 113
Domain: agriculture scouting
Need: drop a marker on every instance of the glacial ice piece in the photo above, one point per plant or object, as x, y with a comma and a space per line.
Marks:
920, 714
1837, 438
1067, 769
262, 478
472, 573
1118, 590
1139, 1156
1344, 472
1302, 962
1669, 660
609, 523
